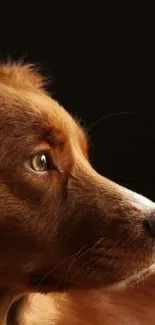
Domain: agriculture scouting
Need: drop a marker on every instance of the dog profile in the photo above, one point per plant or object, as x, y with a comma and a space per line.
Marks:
63, 227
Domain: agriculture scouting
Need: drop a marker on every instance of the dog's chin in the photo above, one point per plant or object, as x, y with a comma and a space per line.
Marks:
134, 279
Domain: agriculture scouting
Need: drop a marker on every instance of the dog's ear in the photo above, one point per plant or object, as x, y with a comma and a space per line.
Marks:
22, 76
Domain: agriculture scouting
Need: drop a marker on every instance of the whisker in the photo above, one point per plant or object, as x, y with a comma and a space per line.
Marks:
75, 273
91, 126
74, 260
85, 252
54, 268
88, 261
75, 257
90, 268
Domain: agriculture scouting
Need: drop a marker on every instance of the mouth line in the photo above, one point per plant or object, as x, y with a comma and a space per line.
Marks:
46, 283
138, 277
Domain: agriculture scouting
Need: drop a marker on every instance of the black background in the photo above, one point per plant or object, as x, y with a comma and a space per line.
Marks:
101, 65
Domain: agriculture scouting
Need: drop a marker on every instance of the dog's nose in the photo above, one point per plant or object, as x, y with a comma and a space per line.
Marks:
149, 226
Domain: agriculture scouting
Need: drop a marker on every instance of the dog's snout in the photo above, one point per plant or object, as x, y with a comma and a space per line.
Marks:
149, 226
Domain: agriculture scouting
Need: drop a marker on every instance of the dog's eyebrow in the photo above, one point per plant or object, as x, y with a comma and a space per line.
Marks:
54, 135
59, 136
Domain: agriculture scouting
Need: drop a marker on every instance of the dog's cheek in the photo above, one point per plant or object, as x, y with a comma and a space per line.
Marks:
106, 245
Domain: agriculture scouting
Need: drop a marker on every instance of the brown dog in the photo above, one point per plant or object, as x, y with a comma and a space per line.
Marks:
62, 225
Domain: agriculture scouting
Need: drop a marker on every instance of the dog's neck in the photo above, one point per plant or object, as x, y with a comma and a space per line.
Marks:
135, 305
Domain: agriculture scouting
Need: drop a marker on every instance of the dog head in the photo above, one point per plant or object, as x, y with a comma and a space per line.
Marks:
61, 223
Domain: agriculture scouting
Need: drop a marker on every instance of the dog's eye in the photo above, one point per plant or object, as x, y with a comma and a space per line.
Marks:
39, 163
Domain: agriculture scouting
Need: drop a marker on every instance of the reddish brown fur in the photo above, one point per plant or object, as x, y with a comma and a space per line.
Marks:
134, 306
70, 226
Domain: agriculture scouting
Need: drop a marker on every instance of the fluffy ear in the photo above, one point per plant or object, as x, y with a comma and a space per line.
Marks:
21, 75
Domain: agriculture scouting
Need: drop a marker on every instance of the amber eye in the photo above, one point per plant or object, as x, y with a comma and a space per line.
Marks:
39, 163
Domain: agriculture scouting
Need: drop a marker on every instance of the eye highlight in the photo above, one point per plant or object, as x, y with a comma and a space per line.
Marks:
40, 163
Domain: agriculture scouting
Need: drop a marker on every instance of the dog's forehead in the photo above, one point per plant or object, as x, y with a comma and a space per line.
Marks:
29, 110
37, 111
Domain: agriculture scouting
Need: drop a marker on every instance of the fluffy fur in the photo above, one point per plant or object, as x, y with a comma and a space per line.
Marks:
134, 306
68, 230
